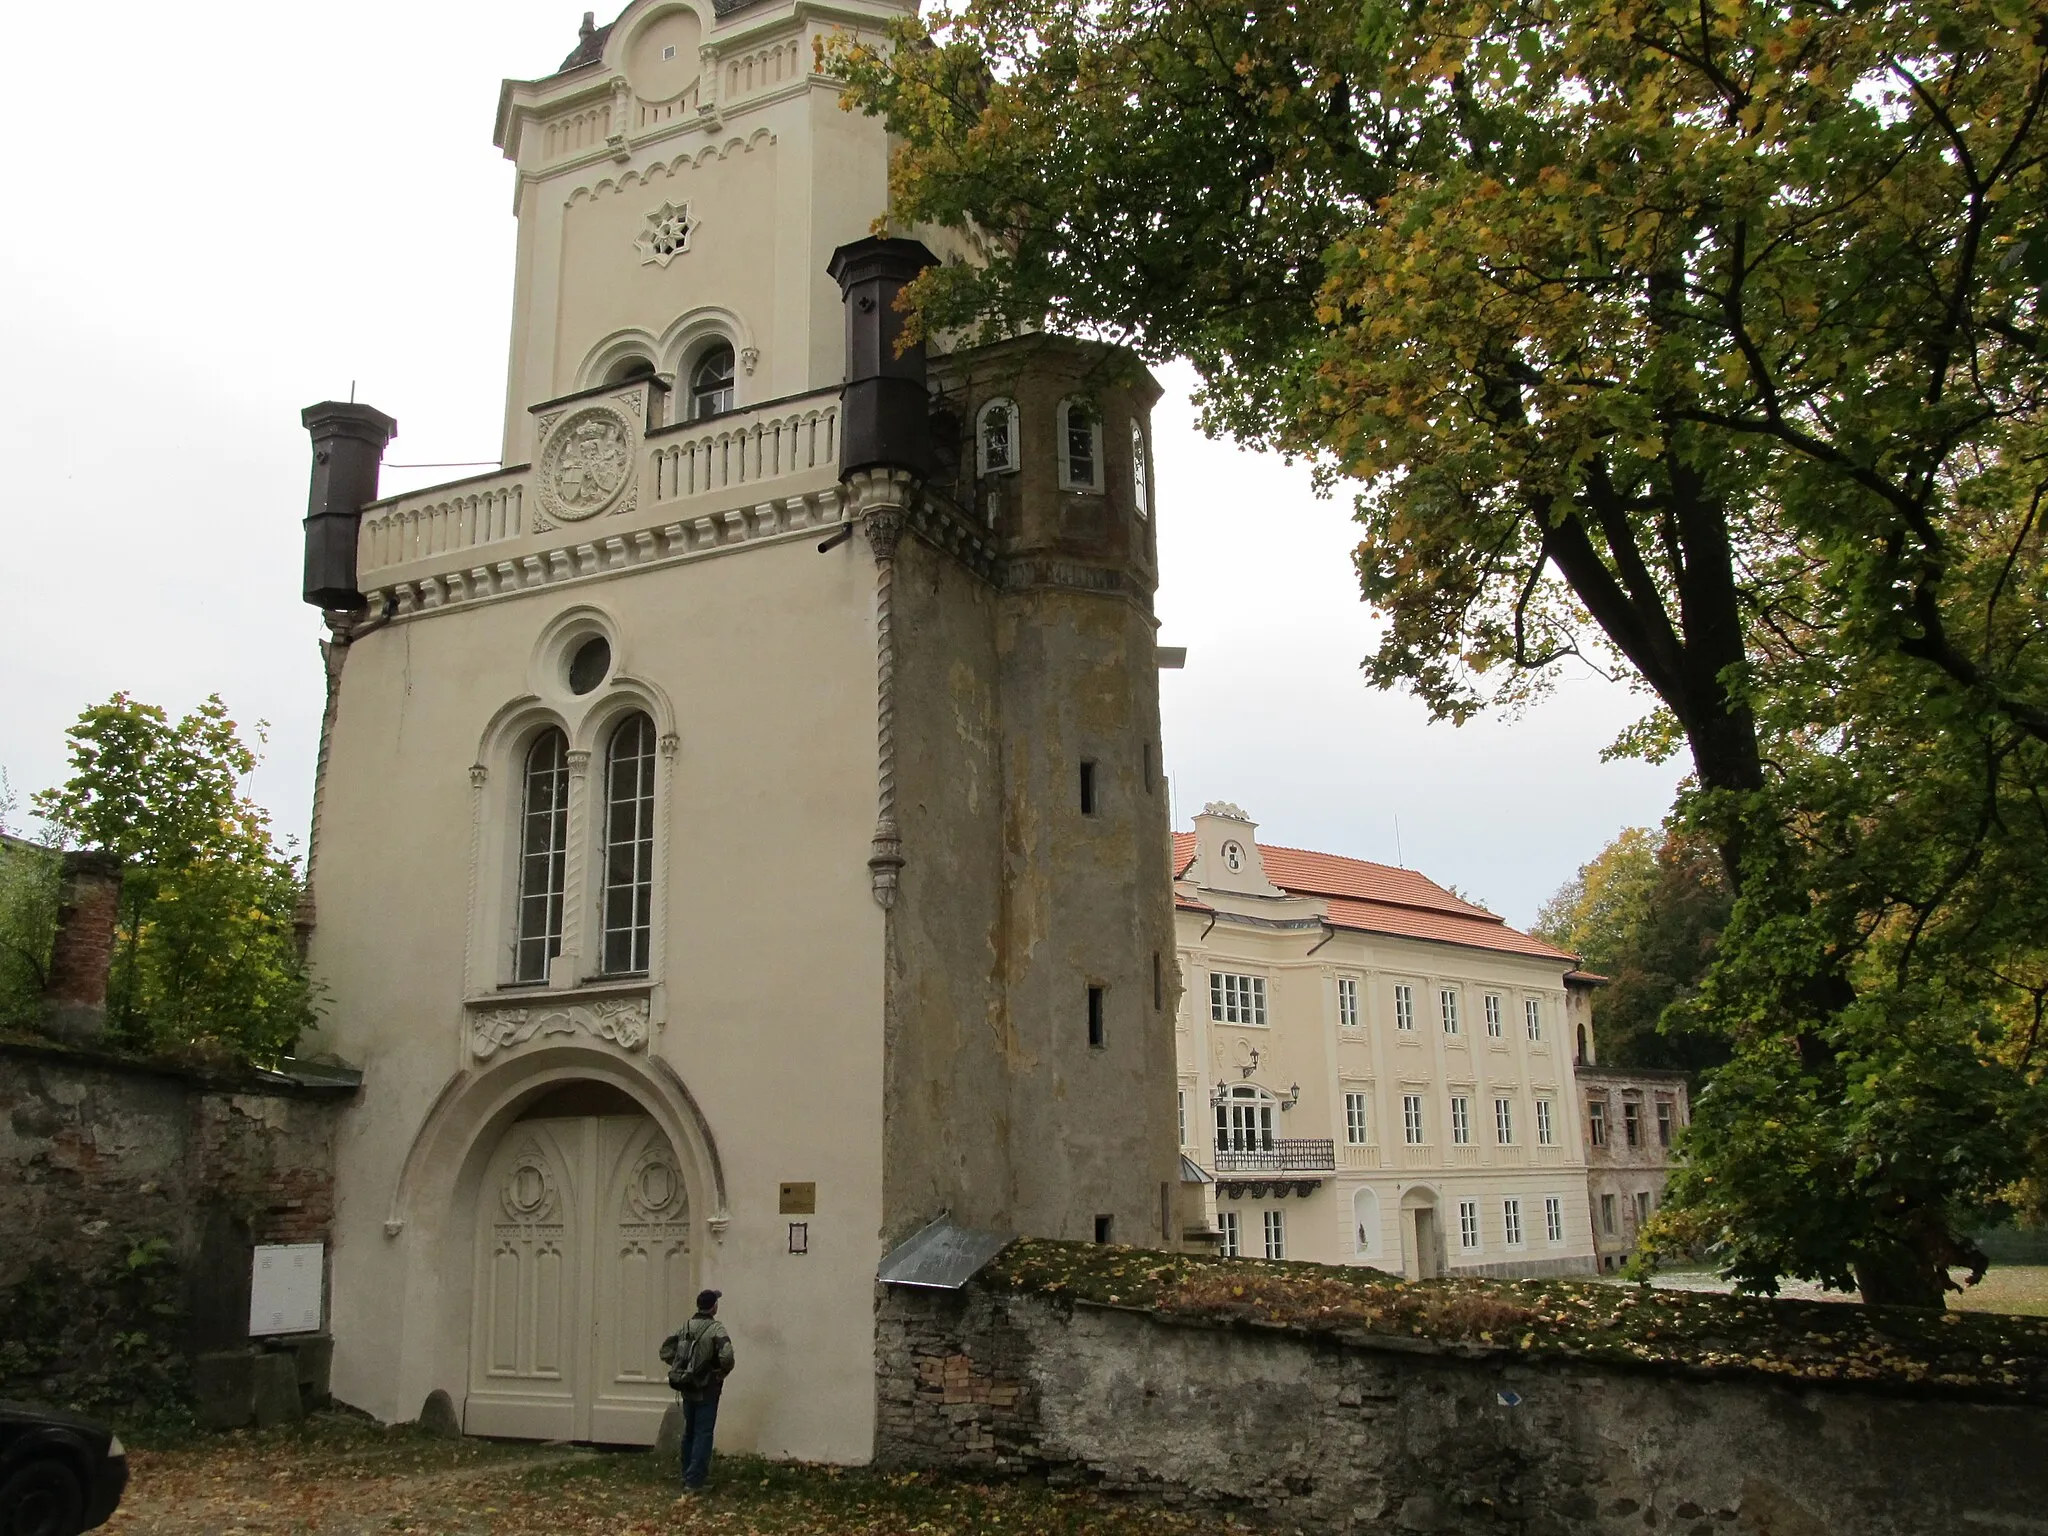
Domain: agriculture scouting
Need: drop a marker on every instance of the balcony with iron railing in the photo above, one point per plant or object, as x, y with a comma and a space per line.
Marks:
1281, 1155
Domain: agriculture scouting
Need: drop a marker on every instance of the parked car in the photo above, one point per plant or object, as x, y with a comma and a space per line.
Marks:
59, 1474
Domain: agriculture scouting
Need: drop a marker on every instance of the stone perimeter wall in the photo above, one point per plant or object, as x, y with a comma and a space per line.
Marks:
1370, 1435
99, 1155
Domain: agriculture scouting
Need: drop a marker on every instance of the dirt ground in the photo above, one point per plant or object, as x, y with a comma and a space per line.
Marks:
341, 1476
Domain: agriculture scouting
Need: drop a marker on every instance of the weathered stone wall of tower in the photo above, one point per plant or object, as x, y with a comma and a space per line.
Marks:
1015, 900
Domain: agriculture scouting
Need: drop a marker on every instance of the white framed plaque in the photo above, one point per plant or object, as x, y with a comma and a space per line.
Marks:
285, 1284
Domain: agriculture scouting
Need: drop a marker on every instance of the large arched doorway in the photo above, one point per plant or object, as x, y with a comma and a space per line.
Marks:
583, 1264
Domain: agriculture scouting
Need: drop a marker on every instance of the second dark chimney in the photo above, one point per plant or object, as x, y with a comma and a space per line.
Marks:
884, 419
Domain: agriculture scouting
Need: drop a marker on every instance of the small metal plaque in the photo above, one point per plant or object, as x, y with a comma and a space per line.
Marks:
800, 1199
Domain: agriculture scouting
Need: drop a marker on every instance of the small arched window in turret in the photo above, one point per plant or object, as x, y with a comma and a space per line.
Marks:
1141, 473
711, 382
1080, 445
995, 438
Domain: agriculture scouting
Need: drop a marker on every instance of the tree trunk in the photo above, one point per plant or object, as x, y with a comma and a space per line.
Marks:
1903, 1277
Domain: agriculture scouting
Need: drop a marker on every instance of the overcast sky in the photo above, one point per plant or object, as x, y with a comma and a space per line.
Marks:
234, 211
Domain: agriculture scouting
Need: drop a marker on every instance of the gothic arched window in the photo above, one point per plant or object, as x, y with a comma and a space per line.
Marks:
1141, 475
1080, 447
629, 846
995, 438
543, 842
711, 382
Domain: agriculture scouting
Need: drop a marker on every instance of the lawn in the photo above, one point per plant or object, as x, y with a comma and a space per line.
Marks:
340, 1475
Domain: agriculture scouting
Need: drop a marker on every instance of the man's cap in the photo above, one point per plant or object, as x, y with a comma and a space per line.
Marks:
706, 1300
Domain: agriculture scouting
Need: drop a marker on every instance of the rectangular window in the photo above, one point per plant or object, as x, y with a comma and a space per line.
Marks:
1276, 1234
1553, 1218
1632, 1122
1607, 1214
1227, 1221
1504, 1121
1532, 1016
1468, 1225
1546, 1133
1404, 1006
1511, 1221
1104, 1225
1181, 1100
1141, 481
1237, 999
543, 847
1158, 984
1347, 1001
1087, 789
1447, 1000
1411, 1119
1461, 1121
1493, 1015
1596, 1122
1664, 1109
1095, 1023
1354, 1119
1642, 1206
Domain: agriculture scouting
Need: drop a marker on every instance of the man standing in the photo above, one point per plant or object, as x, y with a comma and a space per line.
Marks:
699, 1358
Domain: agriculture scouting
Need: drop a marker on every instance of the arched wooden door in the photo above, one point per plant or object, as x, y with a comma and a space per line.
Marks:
583, 1264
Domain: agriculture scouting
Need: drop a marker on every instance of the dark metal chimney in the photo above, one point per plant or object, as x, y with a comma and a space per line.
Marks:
348, 449
884, 418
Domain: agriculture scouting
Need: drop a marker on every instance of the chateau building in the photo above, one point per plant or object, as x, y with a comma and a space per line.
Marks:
739, 839
1372, 1070
1633, 1117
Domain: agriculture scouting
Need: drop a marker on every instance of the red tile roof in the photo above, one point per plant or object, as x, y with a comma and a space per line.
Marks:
1381, 898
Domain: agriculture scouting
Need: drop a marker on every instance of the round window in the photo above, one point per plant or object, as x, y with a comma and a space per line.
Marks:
588, 666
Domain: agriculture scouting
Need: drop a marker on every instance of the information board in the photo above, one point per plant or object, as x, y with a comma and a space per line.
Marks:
285, 1283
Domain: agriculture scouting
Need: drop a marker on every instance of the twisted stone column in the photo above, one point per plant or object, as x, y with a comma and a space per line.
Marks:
880, 498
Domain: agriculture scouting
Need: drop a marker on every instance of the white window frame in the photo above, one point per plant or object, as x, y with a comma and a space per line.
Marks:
1546, 1128
1062, 427
1532, 1017
1413, 1131
1227, 1224
1347, 1002
1180, 1096
1357, 1126
1404, 1006
627, 823
1275, 1226
1461, 1120
1511, 1221
1247, 1119
1237, 998
1493, 1029
1468, 1226
1447, 1004
1013, 437
1553, 1219
1504, 1122
1141, 472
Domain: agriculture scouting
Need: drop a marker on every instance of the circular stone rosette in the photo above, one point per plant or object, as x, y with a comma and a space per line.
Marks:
587, 463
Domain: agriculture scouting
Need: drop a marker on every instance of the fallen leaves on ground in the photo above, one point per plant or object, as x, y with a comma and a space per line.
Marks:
339, 1475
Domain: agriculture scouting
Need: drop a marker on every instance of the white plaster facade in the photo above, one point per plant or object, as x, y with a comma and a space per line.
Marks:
1314, 1022
547, 1161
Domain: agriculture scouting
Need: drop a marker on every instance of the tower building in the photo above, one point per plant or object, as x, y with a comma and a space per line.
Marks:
740, 838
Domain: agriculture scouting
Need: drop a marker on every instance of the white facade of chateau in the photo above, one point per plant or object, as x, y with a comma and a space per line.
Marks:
1371, 1070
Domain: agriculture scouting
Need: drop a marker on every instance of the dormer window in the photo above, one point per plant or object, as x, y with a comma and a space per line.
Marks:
995, 438
1080, 443
711, 383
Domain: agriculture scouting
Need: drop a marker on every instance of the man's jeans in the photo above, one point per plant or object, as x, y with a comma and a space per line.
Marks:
699, 1418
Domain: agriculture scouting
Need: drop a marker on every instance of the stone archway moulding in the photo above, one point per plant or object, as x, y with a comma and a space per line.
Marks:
475, 1105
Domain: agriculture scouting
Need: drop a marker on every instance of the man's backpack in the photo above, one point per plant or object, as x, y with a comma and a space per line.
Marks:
690, 1367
